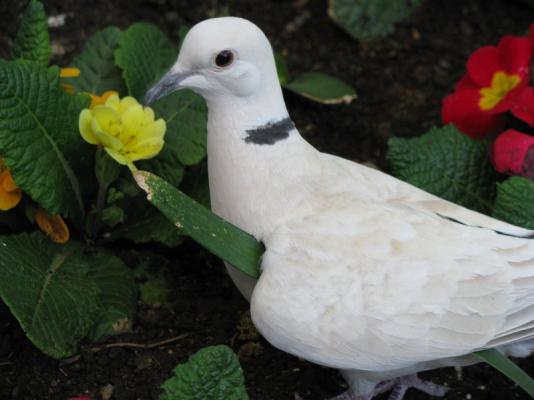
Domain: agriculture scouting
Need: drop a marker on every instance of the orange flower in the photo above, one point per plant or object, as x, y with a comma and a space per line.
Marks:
10, 194
68, 73
98, 100
52, 225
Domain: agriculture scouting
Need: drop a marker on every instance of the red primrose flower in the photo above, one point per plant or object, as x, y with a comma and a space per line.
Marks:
495, 80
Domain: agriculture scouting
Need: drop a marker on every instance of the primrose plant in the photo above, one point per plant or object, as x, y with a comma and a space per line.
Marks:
69, 138
489, 136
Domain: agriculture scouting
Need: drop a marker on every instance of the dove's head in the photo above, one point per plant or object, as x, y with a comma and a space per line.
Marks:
227, 59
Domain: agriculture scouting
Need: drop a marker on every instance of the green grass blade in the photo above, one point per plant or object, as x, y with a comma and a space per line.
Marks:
220, 237
506, 367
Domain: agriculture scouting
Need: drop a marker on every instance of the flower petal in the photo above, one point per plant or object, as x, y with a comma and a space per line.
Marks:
466, 83
515, 53
7, 181
8, 198
513, 154
84, 124
461, 108
53, 225
109, 120
523, 105
145, 149
107, 140
113, 101
127, 103
69, 72
120, 158
483, 64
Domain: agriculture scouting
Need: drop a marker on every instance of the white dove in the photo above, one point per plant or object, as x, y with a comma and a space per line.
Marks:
362, 272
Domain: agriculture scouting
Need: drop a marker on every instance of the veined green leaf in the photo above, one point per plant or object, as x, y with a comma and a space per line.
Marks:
98, 72
448, 164
166, 165
186, 115
46, 286
515, 202
217, 235
32, 41
118, 294
322, 88
39, 138
213, 373
149, 225
369, 19
144, 54
500, 362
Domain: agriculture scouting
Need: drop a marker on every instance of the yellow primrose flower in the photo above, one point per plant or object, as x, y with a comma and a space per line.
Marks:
126, 129
10, 193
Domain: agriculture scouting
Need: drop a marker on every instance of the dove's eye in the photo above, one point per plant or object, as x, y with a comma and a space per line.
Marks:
224, 58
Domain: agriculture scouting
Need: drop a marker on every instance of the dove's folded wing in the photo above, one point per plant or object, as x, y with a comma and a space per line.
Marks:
380, 286
373, 182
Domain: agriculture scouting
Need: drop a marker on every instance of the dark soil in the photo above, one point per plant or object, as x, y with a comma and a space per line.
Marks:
400, 80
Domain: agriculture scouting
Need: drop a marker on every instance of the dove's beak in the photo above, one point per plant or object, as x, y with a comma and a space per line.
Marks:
170, 82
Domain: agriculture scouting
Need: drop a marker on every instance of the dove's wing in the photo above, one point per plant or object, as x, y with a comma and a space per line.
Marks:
381, 286
342, 175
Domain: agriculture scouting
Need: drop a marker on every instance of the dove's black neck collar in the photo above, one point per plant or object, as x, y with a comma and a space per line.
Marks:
270, 133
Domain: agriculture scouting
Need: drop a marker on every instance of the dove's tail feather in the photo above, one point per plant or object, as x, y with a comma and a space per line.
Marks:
520, 350
518, 329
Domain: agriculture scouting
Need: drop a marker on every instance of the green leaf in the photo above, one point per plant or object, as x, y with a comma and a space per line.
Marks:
47, 289
186, 115
369, 19
113, 215
32, 41
118, 294
500, 362
147, 226
515, 202
448, 164
212, 232
144, 54
107, 170
281, 69
155, 291
322, 88
156, 284
213, 373
196, 185
39, 137
166, 164
98, 72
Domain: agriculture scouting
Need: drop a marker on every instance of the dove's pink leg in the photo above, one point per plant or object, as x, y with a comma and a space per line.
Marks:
380, 388
413, 381
399, 388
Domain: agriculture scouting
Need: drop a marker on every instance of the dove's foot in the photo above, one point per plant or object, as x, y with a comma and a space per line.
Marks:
347, 396
402, 384
398, 387
380, 388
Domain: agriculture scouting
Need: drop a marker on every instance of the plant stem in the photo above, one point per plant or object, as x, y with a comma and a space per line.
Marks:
100, 203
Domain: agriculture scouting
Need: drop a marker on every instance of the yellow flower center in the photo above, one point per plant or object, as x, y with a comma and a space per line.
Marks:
501, 85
